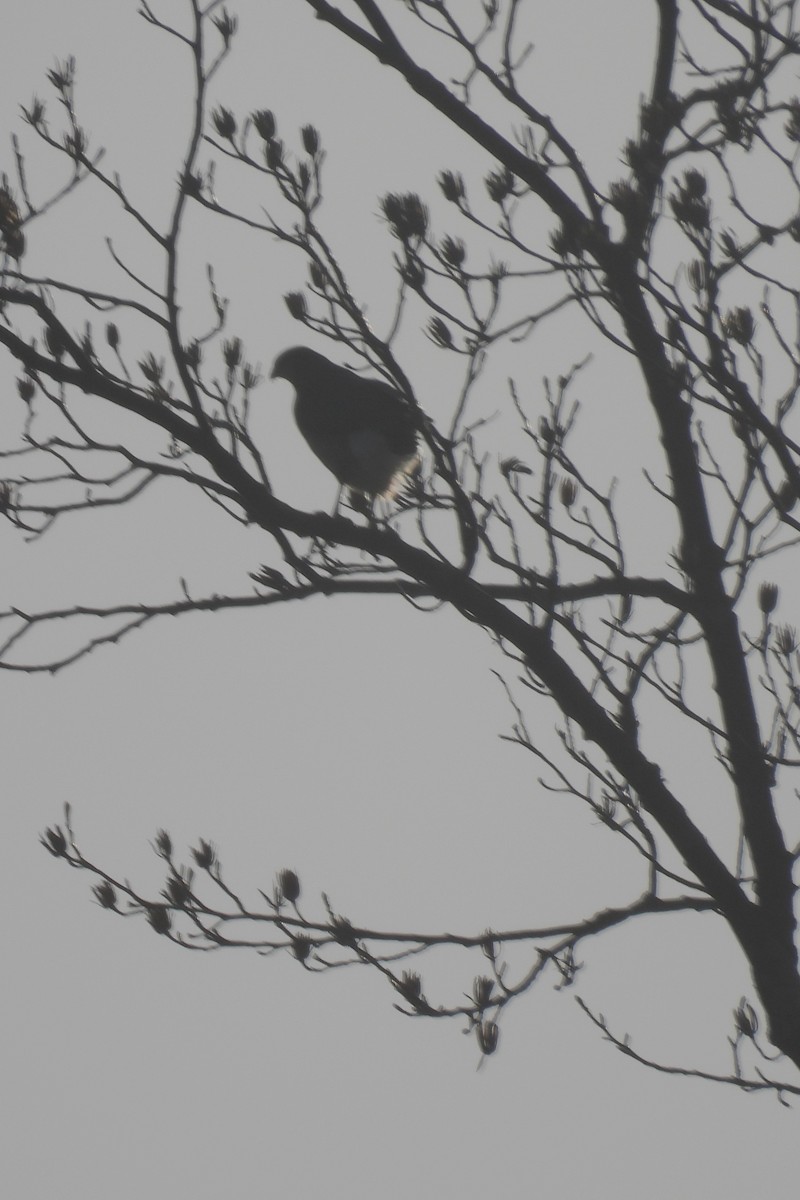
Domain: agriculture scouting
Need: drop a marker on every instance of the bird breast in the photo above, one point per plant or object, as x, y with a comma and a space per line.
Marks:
362, 458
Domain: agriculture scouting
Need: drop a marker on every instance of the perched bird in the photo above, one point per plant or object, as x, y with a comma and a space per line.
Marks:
361, 429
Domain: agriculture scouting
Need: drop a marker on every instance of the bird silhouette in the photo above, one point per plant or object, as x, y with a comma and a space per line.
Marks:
361, 429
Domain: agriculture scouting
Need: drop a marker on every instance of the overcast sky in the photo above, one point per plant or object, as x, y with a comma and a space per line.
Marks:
355, 741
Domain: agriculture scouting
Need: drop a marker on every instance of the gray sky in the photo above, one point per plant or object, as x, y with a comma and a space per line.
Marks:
355, 742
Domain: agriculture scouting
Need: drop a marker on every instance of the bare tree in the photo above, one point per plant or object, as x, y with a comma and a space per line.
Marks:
658, 265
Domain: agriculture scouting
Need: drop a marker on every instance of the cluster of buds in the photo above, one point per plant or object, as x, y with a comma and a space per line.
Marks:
54, 341
178, 889
644, 158
568, 492
268, 577
301, 947
739, 325
273, 154
656, 117
193, 355
151, 367
792, 126
768, 598
76, 143
607, 808
303, 178
410, 988
513, 466
406, 215
736, 121
226, 25
342, 932
225, 123
690, 204
698, 276
54, 841
566, 241
745, 1019
729, 244
8, 498
266, 128
62, 76
26, 388
105, 894
452, 185
633, 153
296, 304
551, 432
320, 278
488, 1033
251, 377
232, 353
205, 855
11, 235
499, 185
440, 334
412, 272
35, 114
482, 991
159, 919
786, 639
163, 844
626, 198
86, 343
192, 183
453, 251
287, 887
310, 139
264, 121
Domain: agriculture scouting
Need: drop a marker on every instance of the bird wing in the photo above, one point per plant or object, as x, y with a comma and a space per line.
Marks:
356, 405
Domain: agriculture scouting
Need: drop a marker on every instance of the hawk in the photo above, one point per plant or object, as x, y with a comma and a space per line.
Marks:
361, 429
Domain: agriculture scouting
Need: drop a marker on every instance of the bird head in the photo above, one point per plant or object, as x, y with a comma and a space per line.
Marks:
294, 364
